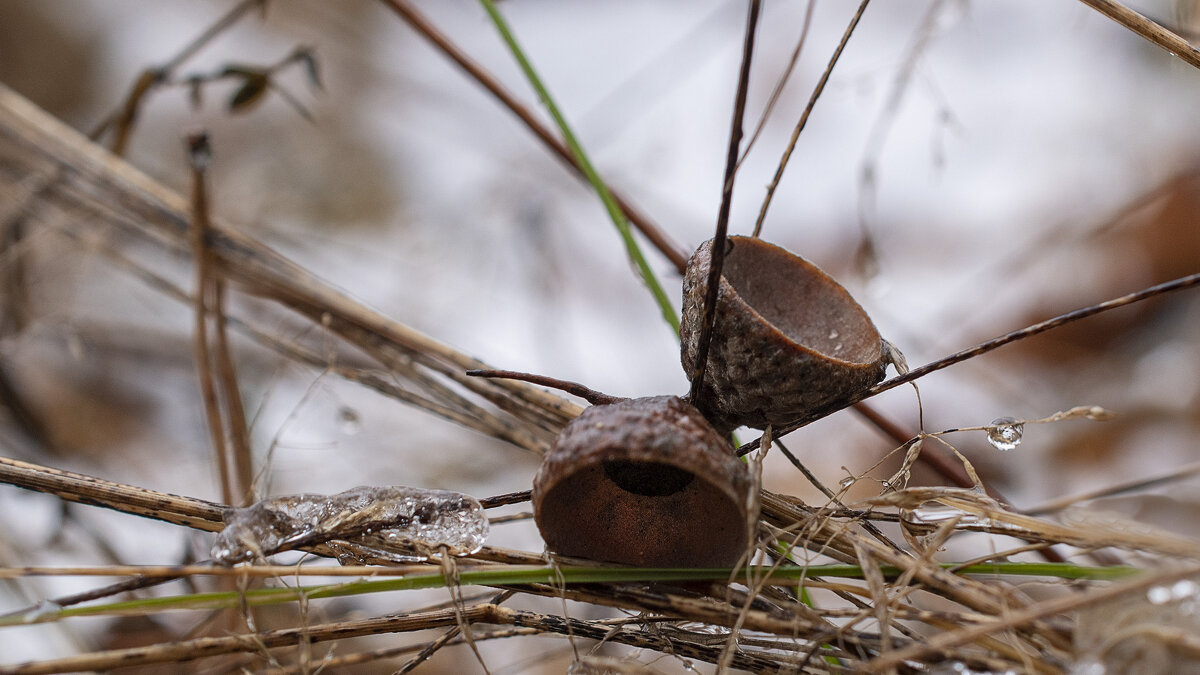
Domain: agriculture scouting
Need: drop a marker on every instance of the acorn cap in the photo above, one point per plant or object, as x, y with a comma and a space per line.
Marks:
787, 341
644, 482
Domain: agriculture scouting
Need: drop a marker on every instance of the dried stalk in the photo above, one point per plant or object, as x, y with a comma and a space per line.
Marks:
89, 181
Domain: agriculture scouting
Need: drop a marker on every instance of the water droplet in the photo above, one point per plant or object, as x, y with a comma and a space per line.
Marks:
833, 335
1158, 595
349, 421
1004, 433
1185, 589
847, 481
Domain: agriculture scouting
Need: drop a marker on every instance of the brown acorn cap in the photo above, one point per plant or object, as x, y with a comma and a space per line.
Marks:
788, 339
644, 482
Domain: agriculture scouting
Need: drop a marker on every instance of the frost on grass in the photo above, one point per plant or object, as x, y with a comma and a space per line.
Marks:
398, 524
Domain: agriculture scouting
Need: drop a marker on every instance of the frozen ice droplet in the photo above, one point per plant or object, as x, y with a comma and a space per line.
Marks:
1004, 433
399, 524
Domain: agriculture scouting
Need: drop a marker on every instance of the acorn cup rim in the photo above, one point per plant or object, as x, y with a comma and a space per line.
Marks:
728, 292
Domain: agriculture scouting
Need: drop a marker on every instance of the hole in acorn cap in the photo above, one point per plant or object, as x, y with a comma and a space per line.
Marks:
649, 479
645, 482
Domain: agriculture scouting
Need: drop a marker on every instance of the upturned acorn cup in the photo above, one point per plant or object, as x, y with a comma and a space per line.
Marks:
645, 482
787, 341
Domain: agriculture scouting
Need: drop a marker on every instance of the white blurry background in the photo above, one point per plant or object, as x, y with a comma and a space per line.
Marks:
1002, 138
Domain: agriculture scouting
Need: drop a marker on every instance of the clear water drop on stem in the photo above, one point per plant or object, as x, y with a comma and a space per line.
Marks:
1004, 433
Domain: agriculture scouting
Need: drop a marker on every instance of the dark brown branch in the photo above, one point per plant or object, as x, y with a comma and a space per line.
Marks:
505, 499
1037, 328
1148, 29
1161, 289
574, 388
708, 318
783, 80
198, 156
661, 240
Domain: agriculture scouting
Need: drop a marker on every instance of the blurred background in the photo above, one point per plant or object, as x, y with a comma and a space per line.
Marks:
970, 169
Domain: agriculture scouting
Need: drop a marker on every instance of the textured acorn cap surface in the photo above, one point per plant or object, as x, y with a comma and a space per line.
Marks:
787, 340
644, 482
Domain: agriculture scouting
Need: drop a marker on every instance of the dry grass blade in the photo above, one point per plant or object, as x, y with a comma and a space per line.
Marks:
89, 180
1021, 617
187, 650
76, 487
888, 602
984, 515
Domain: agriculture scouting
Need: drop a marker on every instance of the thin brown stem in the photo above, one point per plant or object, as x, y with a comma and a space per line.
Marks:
661, 240
829, 494
239, 431
574, 388
812, 101
978, 350
505, 499
940, 464
1167, 287
708, 318
198, 155
1148, 29
783, 80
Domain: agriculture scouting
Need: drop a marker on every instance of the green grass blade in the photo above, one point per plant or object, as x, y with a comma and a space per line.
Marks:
593, 177
519, 575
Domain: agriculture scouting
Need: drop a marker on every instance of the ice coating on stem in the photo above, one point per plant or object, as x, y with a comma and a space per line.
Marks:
395, 523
